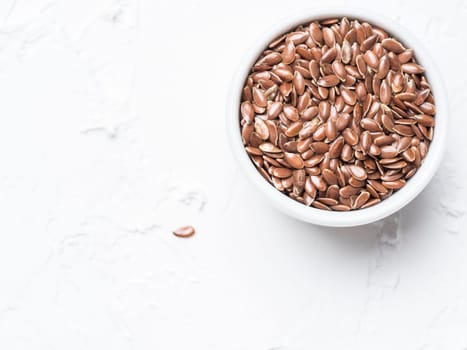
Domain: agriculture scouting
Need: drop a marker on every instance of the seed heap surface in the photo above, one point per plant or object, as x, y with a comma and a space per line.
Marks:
337, 114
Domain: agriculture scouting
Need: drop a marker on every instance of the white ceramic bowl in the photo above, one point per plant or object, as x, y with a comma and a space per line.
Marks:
333, 218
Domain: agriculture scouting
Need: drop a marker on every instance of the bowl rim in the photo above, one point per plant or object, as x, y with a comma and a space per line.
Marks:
355, 217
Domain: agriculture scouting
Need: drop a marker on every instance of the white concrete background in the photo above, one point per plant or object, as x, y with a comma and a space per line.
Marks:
111, 135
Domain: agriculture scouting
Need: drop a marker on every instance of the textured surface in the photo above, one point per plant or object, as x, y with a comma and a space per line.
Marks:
106, 143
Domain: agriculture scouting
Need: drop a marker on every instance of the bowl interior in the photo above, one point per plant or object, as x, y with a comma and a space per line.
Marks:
361, 216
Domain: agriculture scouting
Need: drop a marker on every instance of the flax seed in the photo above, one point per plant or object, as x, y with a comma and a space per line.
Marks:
337, 114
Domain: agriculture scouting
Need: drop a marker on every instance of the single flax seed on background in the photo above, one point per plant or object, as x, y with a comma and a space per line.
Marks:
184, 231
